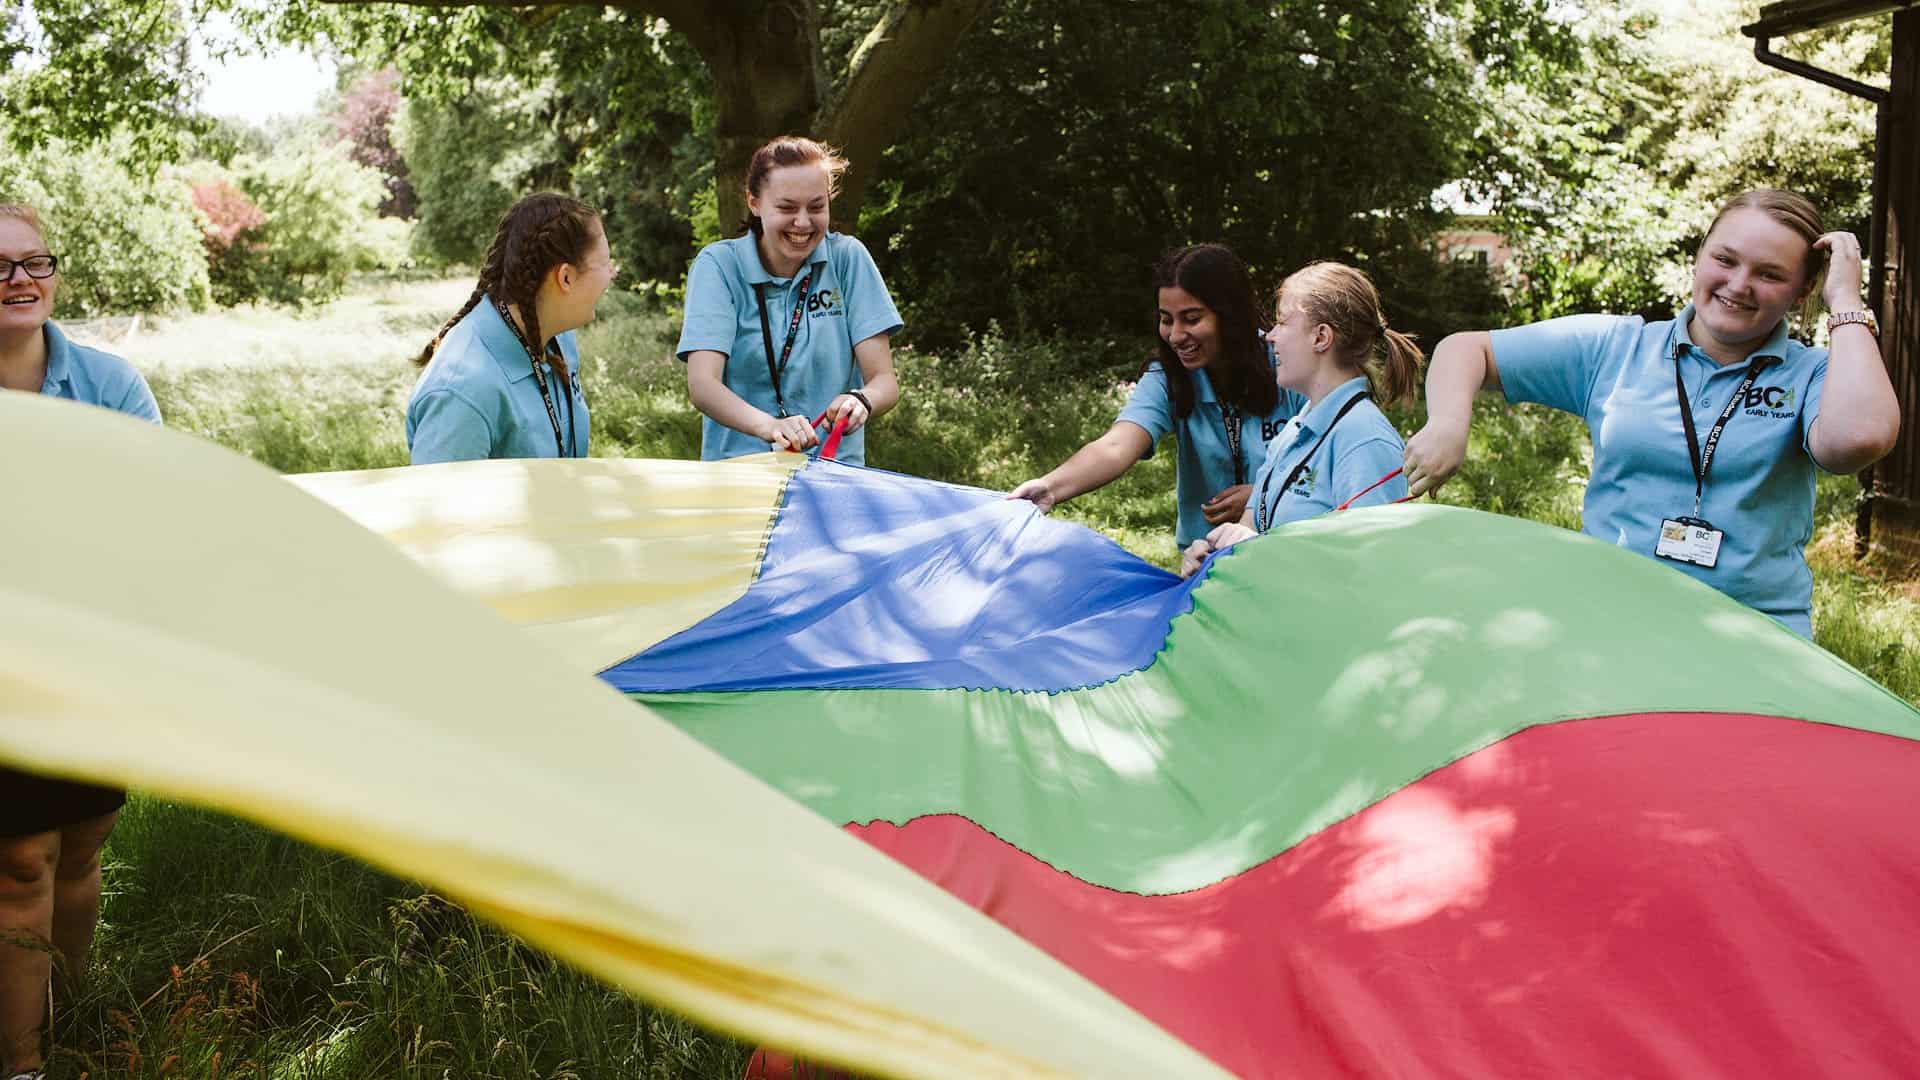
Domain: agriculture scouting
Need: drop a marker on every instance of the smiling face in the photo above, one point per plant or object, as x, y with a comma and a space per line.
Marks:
792, 207
1189, 327
1750, 272
25, 303
1298, 351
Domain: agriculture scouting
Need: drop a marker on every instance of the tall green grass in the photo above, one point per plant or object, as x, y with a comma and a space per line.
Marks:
227, 950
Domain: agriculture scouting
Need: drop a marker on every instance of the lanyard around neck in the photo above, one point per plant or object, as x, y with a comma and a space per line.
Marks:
776, 373
540, 380
1230, 417
1262, 516
1701, 455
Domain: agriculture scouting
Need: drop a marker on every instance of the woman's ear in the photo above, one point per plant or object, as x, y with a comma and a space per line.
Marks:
1322, 337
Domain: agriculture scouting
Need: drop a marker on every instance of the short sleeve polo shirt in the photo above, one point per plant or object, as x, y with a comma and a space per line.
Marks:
1359, 451
1204, 465
479, 397
93, 377
846, 303
1617, 373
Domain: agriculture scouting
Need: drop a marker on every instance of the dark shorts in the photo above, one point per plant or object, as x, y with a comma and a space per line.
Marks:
31, 804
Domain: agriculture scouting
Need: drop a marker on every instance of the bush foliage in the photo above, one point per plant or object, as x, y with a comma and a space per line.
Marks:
127, 242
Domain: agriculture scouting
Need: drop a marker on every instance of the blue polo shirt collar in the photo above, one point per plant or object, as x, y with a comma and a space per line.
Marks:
59, 357
501, 342
1774, 348
1202, 386
1331, 405
756, 272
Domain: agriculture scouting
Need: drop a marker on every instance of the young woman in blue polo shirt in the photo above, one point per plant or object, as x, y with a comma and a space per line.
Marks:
1210, 384
790, 322
1706, 427
51, 831
1331, 344
502, 377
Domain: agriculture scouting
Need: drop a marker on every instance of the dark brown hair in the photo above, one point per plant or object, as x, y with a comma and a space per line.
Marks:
538, 233
1217, 278
1345, 299
791, 150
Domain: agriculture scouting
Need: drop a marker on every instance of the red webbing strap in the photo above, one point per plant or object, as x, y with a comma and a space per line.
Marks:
1370, 487
832, 444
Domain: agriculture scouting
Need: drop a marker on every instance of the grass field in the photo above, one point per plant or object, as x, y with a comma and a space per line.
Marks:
226, 950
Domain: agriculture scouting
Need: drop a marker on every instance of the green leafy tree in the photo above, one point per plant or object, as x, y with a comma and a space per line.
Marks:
129, 240
1073, 141
468, 159
1607, 169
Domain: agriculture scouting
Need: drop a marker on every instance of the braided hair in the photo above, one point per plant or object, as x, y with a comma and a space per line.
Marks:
538, 233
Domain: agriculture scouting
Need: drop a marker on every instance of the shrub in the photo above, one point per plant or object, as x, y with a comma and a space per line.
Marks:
322, 225
127, 242
235, 252
364, 123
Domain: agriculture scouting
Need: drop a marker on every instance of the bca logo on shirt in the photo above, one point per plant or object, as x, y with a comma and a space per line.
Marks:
1270, 428
825, 304
1771, 401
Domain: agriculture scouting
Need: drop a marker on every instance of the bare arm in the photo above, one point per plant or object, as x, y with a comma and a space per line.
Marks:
1461, 367
705, 370
1859, 412
878, 383
1094, 465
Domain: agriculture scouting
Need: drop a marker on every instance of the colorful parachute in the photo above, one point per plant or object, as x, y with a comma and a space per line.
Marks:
1410, 790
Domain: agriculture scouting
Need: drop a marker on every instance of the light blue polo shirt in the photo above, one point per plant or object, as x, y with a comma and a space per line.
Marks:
478, 398
1616, 372
1204, 464
1359, 450
847, 303
93, 377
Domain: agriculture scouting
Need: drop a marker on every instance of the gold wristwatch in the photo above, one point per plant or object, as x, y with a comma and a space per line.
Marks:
1860, 315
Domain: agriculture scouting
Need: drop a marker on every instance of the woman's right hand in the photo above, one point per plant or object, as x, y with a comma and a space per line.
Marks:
1036, 491
1433, 455
794, 433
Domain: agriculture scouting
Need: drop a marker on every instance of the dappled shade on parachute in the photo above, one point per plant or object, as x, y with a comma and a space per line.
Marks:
1409, 790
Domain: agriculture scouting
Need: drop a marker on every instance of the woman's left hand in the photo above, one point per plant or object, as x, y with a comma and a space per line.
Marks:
1844, 270
848, 406
1220, 539
1228, 505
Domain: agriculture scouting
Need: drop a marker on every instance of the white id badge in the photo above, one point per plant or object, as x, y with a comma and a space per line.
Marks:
1689, 540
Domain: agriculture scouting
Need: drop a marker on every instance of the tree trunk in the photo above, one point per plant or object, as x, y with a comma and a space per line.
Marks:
769, 79
895, 64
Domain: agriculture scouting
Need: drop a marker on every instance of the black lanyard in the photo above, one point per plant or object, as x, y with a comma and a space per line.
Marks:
1230, 416
1263, 517
1701, 456
560, 449
775, 374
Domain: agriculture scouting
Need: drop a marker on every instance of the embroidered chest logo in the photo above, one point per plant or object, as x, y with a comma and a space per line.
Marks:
1309, 480
1775, 402
825, 304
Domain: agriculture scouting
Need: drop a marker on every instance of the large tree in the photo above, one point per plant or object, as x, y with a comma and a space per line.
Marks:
771, 75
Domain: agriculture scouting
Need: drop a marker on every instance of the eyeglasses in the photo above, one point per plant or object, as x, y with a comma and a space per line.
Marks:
36, 266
